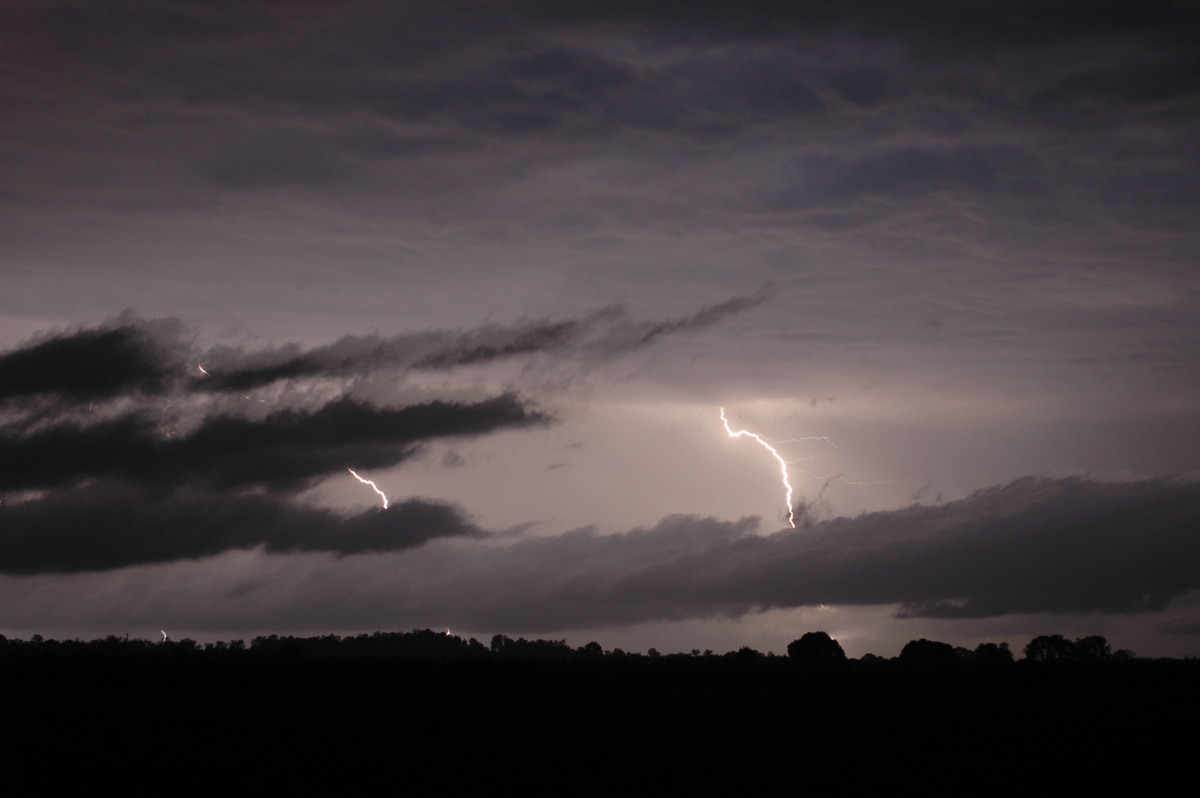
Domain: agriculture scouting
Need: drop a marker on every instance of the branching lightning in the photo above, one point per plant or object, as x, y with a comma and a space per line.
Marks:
374, 487
803, 440
828, 478
783, 471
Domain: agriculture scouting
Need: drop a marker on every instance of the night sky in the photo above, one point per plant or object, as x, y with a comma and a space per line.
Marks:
510, 259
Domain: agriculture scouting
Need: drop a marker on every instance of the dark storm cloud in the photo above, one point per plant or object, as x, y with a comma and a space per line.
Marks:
113, 525
949, 124
126, 356
125, 488
1035, 545
93, 364
286, 449
462, 72
944, 24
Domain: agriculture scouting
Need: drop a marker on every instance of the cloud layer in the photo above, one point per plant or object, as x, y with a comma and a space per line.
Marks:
976, 222
1037, 545
118, 483
129, 356
114, 525
283, 450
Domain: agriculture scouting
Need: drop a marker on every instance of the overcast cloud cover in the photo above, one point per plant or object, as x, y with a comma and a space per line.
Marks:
509, 258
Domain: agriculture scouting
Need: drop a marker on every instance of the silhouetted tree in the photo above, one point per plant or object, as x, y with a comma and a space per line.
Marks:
745, 654
928, 652
816, 647
531, 649
989, 654
592, 650
1092, 648
1050, 648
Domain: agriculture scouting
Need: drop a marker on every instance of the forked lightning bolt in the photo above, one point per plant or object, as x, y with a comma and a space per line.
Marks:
374, 487
783, 471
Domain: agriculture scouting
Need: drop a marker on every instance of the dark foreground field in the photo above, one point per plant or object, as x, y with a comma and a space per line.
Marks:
279, 714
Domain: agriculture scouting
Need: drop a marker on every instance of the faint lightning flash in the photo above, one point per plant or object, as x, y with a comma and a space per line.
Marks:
802, 440
204, 371
782, 463
374, 487
828, 478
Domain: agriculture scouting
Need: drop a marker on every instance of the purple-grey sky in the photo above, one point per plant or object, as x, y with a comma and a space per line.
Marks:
508, 260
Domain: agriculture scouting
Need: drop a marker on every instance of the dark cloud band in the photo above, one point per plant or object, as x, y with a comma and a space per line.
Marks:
285, 450
1035, 545
113, 525
88, 365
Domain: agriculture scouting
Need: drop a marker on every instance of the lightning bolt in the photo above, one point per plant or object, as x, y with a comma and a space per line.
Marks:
374, 487
783, 471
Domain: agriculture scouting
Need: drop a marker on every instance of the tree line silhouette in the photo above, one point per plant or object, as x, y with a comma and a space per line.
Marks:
813, 649
444, 707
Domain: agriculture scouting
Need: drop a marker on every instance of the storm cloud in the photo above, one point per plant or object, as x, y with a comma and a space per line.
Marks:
109, 525
285, 449
129, 355
475, 242
1036, 545
87, 365
95, 491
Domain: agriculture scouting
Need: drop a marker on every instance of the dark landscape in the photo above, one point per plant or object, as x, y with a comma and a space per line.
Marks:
443, 705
